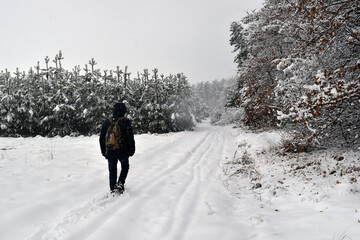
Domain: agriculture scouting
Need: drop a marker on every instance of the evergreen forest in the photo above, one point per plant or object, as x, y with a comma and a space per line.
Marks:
50, 100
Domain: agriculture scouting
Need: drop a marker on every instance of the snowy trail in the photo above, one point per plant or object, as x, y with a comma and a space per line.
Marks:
165, 202
173, 188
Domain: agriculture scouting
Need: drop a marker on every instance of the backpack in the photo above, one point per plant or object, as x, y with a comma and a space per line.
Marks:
113, 138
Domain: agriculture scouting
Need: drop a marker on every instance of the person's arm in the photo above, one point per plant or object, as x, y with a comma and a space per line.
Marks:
130, 139
102, 137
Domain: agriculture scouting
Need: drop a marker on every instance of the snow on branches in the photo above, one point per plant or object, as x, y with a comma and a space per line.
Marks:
302, 69
53, 101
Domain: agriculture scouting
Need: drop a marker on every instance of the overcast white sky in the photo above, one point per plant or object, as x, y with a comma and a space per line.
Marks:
189, 36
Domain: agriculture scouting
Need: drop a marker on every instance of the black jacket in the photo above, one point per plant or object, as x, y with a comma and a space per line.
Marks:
128, 148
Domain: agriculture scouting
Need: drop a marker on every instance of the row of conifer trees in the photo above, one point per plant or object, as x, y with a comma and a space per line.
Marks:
52, 101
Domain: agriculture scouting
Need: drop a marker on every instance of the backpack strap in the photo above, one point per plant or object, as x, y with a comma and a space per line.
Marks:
117, 121
111, 120
120, 119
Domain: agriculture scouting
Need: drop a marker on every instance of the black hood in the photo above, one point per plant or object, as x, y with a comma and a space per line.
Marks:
119, 109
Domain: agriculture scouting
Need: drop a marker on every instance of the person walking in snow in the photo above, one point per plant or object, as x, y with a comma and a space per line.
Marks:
125, 145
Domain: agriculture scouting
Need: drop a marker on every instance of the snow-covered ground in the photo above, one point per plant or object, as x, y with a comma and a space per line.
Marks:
210, 183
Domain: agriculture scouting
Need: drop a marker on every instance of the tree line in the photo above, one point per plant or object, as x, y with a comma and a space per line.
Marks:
298, 68
218, 97
51, 100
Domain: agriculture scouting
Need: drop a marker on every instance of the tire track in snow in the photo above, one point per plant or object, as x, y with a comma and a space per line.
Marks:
205, 180
207, 173
181, 162
176, 229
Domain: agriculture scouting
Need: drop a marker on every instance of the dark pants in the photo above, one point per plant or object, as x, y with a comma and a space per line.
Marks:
113, 171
